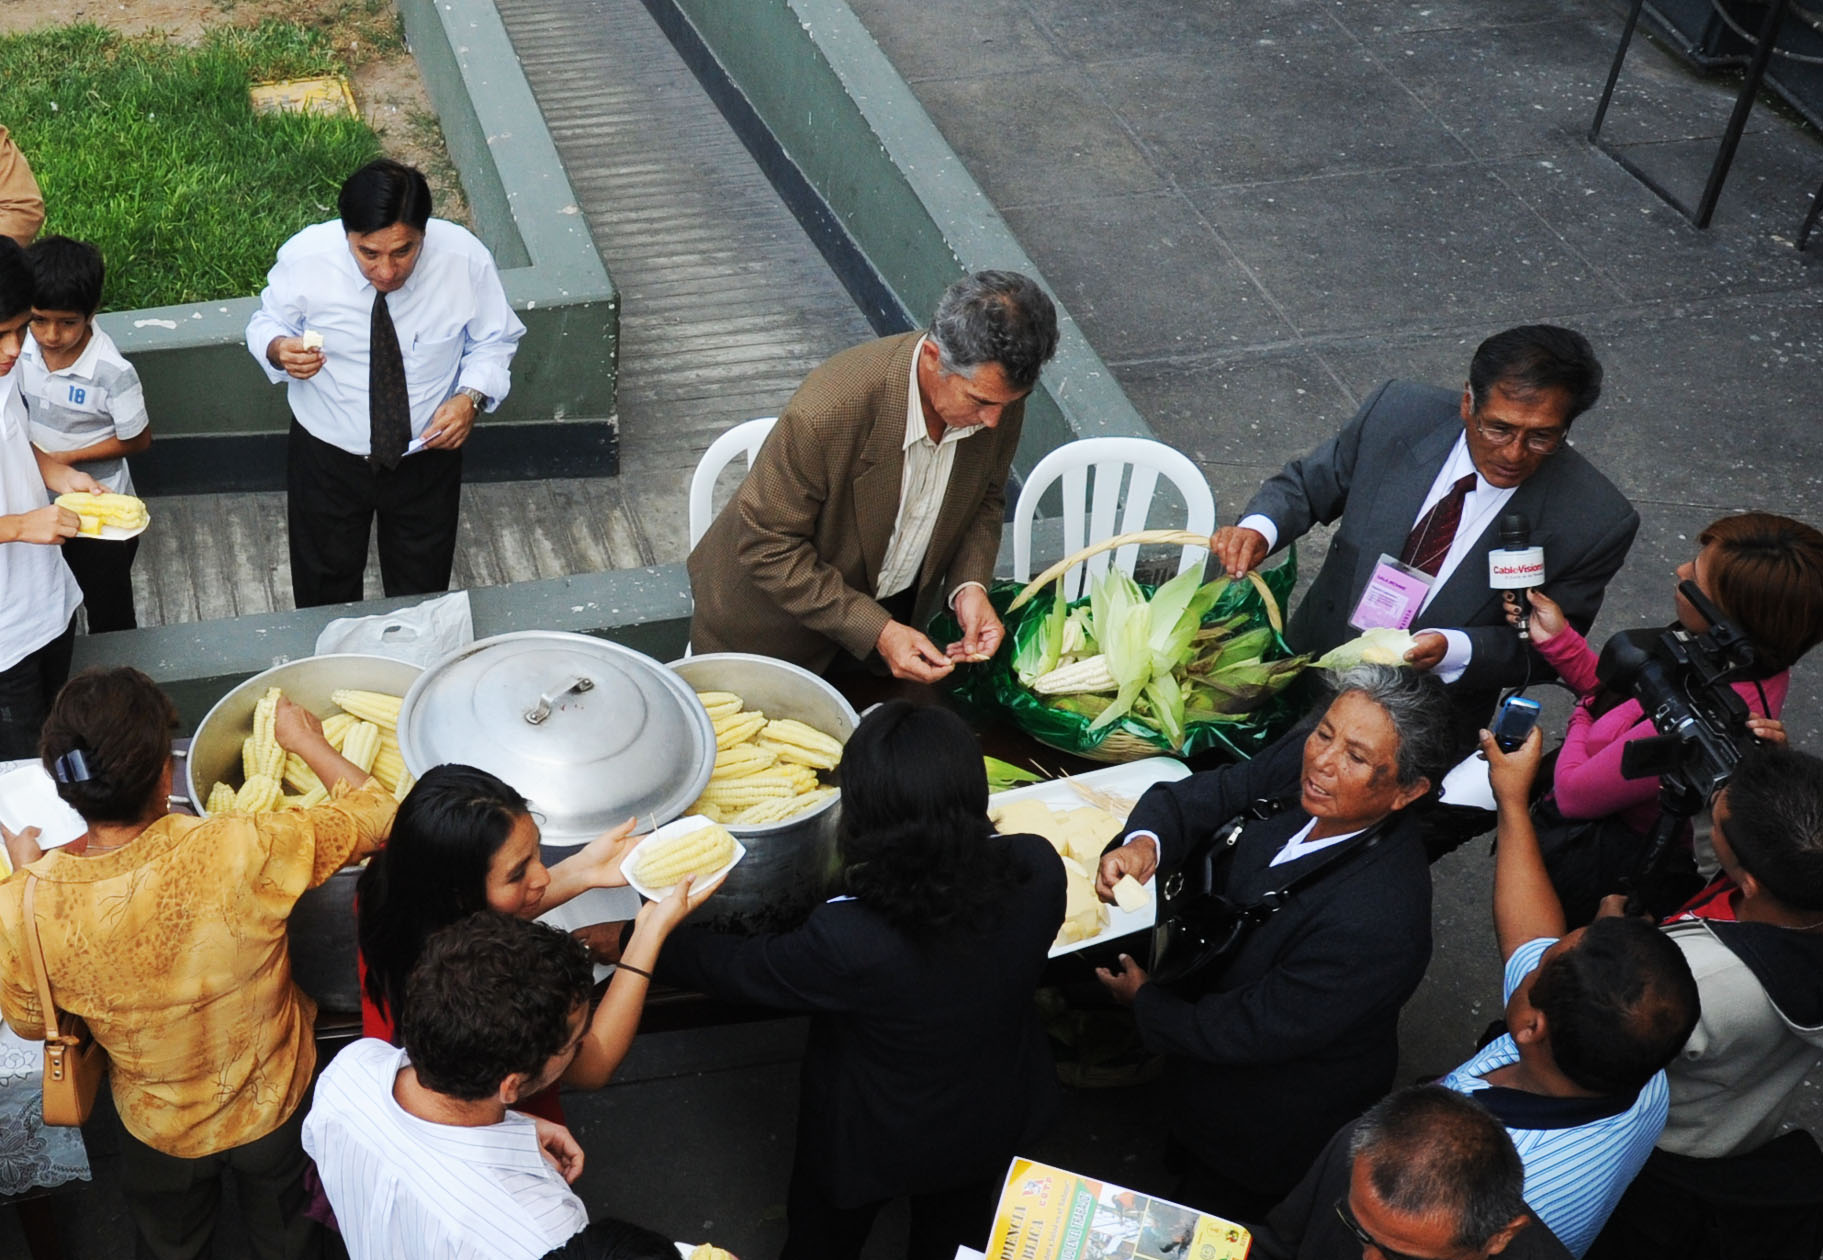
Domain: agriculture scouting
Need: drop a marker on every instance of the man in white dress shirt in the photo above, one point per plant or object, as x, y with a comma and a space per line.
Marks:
419, 1150
393, 332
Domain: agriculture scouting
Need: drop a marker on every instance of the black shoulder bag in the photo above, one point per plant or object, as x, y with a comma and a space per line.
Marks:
1200, 926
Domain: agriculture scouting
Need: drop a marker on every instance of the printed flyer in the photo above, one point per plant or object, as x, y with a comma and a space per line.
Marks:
1046, 1213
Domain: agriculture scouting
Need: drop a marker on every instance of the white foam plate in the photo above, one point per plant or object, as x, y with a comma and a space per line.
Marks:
677, 827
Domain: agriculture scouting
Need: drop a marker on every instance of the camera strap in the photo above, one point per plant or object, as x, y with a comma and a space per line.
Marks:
1205, 927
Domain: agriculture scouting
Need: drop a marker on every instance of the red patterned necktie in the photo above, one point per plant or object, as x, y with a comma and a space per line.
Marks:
388, 403
1431, 537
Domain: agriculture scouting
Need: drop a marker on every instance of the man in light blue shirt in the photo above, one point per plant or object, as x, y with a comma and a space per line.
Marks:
1592, 1016
392, 332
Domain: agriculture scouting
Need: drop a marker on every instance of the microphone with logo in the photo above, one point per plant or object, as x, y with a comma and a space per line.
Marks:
1516, 566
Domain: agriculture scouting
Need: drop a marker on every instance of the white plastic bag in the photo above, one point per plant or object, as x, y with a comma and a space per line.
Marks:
422, 634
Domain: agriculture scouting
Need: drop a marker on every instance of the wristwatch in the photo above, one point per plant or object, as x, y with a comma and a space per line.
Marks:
475, 396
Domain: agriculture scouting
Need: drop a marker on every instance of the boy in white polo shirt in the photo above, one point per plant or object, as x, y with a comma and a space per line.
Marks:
87, 410
37, 615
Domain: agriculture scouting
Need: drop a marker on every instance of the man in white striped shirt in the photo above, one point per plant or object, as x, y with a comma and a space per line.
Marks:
1593, 1017
419, 1149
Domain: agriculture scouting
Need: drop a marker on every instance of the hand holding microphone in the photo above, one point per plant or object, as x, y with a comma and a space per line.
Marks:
1516, 568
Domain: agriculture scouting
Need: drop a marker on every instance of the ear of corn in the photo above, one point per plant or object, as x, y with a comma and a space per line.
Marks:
220, 800
738, 729
1088, 675
268, 757
740, 761
336, 728
250, 758
795, 734
299, 777
315, 796
694, 853
257, 794
369, 706
120, 510
780, 808
748, 791
362, 745
720, 704
388, 767
405, 785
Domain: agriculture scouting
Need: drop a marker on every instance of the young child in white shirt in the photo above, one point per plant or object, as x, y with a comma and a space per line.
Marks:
87, 410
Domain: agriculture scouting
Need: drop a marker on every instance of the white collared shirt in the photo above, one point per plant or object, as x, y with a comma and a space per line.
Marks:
1301, 844
922, 483
40, 594
1480, 507
405, 1188
95, 398
454, 323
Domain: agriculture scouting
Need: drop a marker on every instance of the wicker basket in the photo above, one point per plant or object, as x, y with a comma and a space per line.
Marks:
1119, 746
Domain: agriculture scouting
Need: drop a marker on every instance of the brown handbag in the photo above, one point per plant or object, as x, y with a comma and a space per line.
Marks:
74, 1061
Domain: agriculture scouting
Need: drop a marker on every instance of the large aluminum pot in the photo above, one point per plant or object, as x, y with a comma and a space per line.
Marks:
322, 928
590, 731
790, 864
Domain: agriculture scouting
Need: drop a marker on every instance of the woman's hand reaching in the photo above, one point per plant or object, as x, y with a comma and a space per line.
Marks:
1545, 621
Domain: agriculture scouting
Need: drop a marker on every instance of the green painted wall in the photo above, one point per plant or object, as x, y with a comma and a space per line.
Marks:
853, 127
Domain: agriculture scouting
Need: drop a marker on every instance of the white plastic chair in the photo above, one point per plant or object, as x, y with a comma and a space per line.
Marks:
743, 439
1111, 459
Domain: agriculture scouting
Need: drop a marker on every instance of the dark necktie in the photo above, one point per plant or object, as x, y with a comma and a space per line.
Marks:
388, 403
1431, 537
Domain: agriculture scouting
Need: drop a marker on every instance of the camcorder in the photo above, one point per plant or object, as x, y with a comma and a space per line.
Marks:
1683, 681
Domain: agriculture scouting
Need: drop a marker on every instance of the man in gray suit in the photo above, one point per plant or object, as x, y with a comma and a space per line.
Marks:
1420, 480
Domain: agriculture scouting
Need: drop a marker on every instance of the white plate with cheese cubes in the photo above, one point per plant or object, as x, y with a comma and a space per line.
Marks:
676, 827
1080, 838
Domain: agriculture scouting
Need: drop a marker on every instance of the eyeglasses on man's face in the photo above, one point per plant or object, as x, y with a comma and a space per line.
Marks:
1538, 441
1368, 1240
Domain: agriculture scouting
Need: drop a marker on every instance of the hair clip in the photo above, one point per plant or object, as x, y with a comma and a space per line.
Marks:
72, 767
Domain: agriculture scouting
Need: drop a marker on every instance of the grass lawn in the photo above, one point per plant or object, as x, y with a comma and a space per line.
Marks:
150, 150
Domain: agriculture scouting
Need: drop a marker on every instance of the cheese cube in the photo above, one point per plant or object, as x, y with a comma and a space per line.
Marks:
1130, 894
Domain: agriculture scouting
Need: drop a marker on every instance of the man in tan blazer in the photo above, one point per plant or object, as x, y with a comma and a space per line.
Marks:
880, 490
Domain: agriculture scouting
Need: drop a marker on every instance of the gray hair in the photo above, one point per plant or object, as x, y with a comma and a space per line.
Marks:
995, 317
1431, 1151
1419, 708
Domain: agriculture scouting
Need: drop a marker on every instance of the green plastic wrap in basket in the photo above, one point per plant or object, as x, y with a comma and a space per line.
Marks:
1069, 722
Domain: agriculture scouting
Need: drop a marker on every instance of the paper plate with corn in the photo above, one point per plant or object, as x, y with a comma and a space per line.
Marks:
114, 517
691, 845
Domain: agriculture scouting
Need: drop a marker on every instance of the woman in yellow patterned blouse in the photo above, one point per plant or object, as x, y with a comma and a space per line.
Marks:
167, 934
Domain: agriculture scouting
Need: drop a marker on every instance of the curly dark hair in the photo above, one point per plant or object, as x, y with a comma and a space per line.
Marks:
492, 996
916, 841
121, 723
432, 871
1618, 1004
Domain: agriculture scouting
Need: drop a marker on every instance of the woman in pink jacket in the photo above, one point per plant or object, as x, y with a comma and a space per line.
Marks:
1765, 574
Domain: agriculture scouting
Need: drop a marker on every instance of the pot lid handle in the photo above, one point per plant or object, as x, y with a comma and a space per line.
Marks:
542, 710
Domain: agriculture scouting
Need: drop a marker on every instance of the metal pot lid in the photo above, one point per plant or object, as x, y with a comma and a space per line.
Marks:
590, 731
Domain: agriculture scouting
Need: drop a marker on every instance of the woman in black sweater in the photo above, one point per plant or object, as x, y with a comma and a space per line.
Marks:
926, 1066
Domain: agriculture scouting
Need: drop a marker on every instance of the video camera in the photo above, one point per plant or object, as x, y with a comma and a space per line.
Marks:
1682, 680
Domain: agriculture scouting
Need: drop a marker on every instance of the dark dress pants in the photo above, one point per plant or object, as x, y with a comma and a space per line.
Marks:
174, 1202
332, 498
26, 692
103, 568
